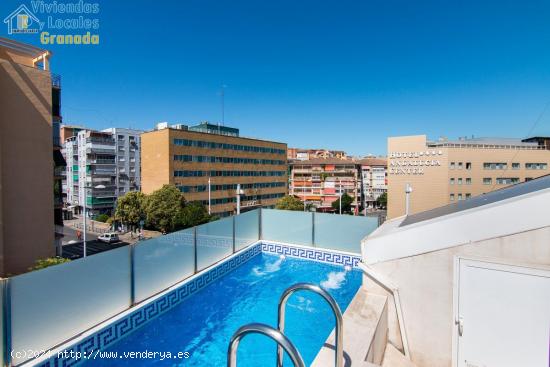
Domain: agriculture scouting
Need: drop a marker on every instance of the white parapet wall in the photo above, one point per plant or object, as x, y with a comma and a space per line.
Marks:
418, 260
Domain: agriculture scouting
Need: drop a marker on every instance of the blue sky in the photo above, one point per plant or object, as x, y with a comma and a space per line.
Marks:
336, 74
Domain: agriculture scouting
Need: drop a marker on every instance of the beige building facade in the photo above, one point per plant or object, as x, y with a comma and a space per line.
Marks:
190, 159
27, 230
444, 172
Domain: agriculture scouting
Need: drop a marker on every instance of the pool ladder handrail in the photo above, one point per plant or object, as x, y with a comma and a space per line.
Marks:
339, 355
256, 328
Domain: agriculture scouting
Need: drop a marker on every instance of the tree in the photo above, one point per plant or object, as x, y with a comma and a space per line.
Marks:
130, 208
382, 200
163, 208
102, 218
289, 202
50, 261
346, 203
193, 214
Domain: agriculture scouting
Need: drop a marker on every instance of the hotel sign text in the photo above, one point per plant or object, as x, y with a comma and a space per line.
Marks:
413, 163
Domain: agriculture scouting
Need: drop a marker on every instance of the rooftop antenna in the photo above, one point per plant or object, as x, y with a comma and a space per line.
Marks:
223, 103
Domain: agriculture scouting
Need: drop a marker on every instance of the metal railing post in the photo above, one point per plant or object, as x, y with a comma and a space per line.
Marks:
313, 229
195, 248
282, 341
132, 276
6, 315
233, 234
339, 329
260, 234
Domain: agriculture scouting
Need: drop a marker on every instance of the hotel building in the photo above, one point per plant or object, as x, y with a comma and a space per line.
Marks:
320, 181
108, 159
30, 204
443, 172
190, 157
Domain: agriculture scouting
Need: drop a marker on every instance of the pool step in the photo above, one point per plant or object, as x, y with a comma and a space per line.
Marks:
394, 358
365, 333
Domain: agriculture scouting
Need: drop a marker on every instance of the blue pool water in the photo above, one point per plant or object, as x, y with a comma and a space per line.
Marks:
203, 324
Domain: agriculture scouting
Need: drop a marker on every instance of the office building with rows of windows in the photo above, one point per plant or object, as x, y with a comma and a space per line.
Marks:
444, 172
191, 157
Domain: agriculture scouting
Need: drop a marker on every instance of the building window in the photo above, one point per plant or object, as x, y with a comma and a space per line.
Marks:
459, 165
468, 181
507, 180
452, 197
452, 181
459, 197
452, 165
460, 181
528, 179
468, 165
536, 166
468, 196
515, 165
493, 166
487, 181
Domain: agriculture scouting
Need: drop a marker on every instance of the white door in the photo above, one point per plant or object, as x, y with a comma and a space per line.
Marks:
502, 315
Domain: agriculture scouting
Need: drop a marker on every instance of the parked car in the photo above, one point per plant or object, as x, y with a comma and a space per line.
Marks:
108, 237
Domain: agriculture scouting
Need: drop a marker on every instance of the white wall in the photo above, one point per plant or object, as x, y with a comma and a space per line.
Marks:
425, 283
510, 216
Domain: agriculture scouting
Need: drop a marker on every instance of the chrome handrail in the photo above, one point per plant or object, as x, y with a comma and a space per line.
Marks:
268, 331
339, 357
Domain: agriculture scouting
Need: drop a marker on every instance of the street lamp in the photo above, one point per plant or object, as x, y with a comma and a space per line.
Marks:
239, 193
340, 194
408, 191
209, 197
85, 214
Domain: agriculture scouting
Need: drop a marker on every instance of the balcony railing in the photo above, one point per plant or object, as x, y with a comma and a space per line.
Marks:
56, 80
137, 272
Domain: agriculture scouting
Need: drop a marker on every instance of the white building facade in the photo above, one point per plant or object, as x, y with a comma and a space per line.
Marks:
101, 166
374, 180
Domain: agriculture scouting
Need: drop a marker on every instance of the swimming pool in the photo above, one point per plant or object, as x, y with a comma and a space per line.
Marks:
202, 324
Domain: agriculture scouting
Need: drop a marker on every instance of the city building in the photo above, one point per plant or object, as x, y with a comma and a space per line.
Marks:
442, 172
305, 154
30, 158
66, 131
320, 181
101, 166
191, 159
374, 180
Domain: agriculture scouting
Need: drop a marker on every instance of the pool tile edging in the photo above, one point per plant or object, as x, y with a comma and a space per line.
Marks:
311, 253
119, 329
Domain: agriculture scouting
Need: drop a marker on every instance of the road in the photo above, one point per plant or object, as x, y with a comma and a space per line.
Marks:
69, 234
75, 250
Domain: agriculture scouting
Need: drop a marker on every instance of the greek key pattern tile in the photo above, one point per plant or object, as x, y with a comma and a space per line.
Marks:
315, 254
86, 348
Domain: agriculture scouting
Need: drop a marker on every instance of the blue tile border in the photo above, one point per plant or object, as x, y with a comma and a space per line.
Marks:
312, 253
144, 313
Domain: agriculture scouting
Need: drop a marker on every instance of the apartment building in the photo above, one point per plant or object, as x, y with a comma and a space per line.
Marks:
306, 154
30, 158
374, 180
444, 171
216, 158
101, 166
320, 181
128, 165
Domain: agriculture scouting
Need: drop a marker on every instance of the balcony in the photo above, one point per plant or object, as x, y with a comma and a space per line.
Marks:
100, 141
56, 80
102, 161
